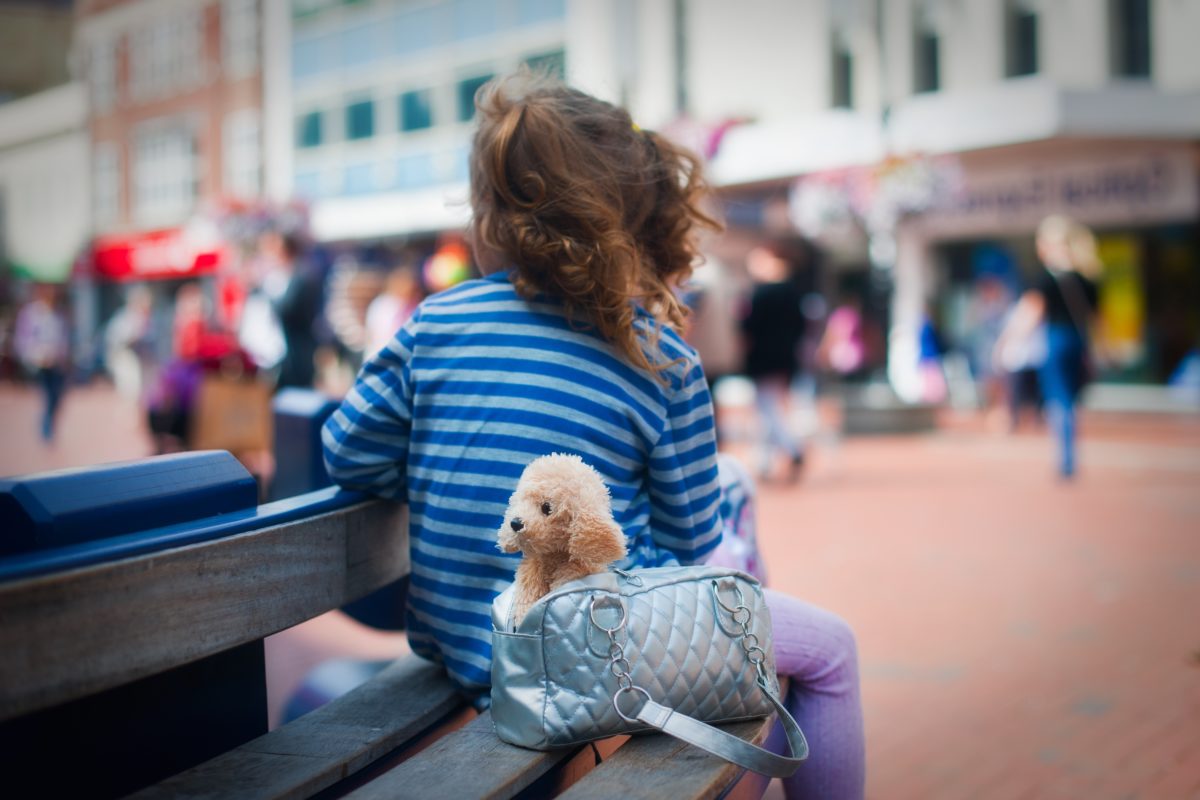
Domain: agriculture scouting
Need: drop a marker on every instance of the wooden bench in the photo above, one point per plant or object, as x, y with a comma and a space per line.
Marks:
85, 632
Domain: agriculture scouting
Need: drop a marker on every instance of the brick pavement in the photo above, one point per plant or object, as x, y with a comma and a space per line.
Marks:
1018, 637
94, 425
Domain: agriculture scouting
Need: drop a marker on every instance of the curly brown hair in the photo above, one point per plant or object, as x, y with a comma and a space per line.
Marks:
586, 207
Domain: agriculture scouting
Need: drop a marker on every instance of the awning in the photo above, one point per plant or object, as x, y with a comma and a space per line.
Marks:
156, 255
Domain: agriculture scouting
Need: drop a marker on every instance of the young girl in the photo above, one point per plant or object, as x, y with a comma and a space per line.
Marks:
583, 227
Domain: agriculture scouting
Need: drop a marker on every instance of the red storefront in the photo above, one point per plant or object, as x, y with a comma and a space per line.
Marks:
171, 254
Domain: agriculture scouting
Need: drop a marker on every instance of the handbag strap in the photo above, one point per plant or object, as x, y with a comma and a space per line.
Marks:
701, 734
726, 745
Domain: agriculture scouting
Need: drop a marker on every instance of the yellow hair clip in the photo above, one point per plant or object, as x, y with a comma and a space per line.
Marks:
637, 128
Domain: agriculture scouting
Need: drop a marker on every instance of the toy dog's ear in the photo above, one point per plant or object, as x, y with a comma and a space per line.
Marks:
596, 540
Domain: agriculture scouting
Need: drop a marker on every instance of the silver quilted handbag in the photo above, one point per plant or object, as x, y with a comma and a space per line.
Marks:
666, 649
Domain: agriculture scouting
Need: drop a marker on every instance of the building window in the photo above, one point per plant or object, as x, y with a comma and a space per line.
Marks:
552, 64
416, 110
310, 129
165, 173
167, 55
466, 96
1129, 26
308, 184
927, 75
239, 37
242, 153
360, 120
416, 171
102, 76
1021, 39
358, 45
474, 18
312, 56
531, 12
106, 186
415, 30
842, 74
358, 179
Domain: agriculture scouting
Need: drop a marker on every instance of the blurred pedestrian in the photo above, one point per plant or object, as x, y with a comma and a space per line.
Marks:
392, 307
988, 309
43, 348
930, 350
773, 327
129, 343
291, 285
1019, 353
1063, 299
198, 348
843, 347
713, 296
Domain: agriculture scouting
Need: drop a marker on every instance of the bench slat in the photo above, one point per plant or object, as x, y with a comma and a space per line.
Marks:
469, 762
657, 766
325, 745
76, 633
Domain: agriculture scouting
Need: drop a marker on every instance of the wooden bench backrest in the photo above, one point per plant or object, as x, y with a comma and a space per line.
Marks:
76, 633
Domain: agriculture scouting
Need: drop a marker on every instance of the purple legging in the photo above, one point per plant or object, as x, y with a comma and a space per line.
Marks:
816, 650
813, 647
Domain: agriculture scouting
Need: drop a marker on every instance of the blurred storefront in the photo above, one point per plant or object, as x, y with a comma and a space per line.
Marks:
1141, 198
928, 227
175, 126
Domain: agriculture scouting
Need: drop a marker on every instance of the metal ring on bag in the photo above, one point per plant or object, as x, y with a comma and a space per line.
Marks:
737, 590
617, 669
762, 655
621, 691
592, 615
718, 606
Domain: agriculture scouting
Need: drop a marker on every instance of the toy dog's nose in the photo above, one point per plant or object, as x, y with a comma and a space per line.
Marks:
516, 524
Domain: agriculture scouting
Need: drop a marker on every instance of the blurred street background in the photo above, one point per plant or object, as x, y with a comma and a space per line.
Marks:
212, 210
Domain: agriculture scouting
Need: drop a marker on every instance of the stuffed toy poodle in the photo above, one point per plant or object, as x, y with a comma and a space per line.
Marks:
560, 519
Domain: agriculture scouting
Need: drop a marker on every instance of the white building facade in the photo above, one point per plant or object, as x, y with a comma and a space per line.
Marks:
44, 182
1016, 108
381, 103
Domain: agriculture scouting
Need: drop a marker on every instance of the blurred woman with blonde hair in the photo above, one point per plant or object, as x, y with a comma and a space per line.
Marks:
1062, 301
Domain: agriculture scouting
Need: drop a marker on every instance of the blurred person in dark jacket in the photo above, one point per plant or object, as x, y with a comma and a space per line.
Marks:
773, 327
294, 290
1063, 299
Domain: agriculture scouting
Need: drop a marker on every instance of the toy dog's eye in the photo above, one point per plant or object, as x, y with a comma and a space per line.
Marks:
546, 508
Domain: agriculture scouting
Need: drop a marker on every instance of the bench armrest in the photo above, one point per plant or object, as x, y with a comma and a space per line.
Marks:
81, 631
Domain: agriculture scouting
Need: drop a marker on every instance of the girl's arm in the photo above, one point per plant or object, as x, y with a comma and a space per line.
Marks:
366, 439
685, 513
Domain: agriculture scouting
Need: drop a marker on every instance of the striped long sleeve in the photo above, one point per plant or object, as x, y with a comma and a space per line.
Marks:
366, 440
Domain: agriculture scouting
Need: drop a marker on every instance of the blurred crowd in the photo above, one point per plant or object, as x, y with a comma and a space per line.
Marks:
287, 313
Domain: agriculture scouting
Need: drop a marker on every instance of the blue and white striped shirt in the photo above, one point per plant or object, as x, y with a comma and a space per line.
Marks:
475, 386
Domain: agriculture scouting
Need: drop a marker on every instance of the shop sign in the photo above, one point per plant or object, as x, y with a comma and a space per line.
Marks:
171, 253
1143, 186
